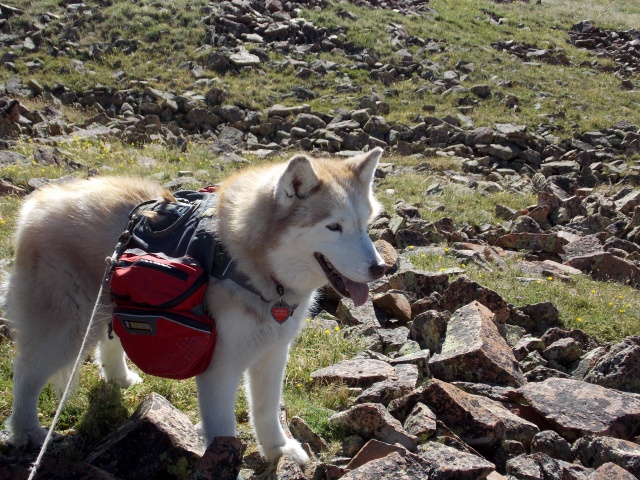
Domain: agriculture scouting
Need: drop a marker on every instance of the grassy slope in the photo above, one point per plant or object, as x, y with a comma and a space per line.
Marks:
171, 34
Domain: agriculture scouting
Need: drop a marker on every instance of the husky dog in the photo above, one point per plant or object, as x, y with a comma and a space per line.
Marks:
294, 226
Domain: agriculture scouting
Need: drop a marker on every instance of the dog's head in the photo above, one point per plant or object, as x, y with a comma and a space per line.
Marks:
324, 207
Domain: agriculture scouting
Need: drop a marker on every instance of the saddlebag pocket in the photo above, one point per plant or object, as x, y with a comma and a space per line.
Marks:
159, 315
166, 344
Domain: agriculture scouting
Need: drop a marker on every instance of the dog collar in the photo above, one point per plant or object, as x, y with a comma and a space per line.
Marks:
281, 310
224, 268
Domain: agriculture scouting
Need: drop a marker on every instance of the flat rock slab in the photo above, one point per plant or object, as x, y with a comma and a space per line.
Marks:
533, 242
458, 411
420, 282
93, 132
156, 428
421, 422
474, 351
365, 314
392, 467
373, 450
611, 471
356, 373
244, 59
627, 203
606, 266
451, 464
303, 433
463, 291
547, 268
222, 460
537, 466
477, 420
578, 408
586, 245
388, 390
286, 469
372, 420
596, 451
618, 368
394, 303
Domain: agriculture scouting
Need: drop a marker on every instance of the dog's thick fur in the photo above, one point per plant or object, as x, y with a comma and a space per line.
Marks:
273, 220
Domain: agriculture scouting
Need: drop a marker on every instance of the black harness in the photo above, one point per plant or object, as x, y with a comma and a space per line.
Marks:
158, 284
187, 227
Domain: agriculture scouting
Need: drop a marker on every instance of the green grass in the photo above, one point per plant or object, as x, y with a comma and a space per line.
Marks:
605, 310
465, 32
465, 205
169, 34
98, 408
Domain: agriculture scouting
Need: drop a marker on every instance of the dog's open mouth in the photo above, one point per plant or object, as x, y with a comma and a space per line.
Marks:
358, 292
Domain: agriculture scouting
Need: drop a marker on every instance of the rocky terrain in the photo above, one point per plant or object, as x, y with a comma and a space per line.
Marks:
454, 382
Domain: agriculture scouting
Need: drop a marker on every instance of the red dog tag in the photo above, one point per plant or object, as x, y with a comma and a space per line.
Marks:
281, 311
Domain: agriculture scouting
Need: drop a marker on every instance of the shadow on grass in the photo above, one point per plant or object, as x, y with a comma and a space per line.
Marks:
105, 414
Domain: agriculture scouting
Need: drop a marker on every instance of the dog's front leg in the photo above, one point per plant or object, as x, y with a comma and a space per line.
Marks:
217, 390
111, 360
264, 392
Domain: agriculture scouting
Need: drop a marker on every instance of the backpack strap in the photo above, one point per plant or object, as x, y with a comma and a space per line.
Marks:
224, 268
187, 227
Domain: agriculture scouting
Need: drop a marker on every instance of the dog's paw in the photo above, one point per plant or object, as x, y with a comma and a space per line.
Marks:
292, 448
132, 378
29, 440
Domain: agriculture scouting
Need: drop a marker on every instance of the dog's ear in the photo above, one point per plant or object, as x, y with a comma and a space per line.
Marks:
297, 181
364, 166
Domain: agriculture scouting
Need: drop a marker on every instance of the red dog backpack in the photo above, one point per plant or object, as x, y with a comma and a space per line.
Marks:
158, 286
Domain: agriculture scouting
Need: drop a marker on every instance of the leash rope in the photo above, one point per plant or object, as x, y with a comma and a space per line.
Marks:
122, 242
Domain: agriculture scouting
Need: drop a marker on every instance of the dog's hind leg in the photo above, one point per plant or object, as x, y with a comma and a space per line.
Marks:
110, 358
264, 389
39, 359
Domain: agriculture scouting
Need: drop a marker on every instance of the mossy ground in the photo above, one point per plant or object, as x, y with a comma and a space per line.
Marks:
575, 99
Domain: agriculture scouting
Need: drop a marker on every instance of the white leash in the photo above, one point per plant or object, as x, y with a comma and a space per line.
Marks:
63, 399
122, 242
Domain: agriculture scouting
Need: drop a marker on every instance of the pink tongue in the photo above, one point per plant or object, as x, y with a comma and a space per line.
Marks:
359, 291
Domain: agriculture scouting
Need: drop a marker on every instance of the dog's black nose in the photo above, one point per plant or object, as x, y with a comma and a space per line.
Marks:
377, 270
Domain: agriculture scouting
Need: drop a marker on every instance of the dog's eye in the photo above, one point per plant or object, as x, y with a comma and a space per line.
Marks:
335, 227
